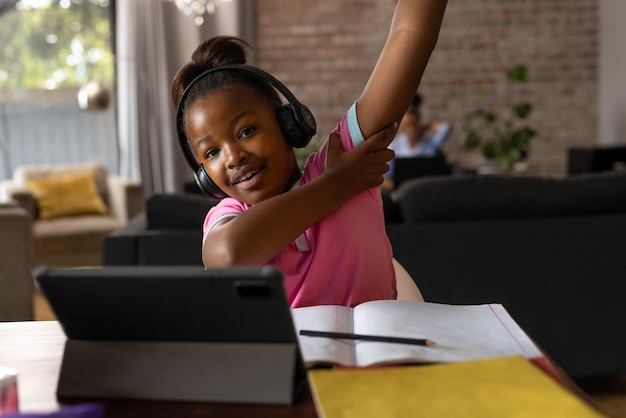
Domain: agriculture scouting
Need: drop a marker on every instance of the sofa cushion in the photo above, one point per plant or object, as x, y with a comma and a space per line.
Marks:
169, 247
177, 211
71, 241
27, 172
67, 195
76, 226
501, 197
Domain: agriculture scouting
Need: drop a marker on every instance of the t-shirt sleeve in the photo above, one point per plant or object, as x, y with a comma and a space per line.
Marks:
350, 136
226, 208
353, 126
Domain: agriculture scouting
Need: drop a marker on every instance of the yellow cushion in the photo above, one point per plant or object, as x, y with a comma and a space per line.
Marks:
68, 195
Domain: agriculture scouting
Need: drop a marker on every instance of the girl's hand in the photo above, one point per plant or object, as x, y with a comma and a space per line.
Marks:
364, 166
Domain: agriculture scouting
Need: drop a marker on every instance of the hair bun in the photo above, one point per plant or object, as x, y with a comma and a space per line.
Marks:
220, 50
214, 52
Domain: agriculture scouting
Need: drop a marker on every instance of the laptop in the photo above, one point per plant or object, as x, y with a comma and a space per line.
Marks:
409, 168
211, 325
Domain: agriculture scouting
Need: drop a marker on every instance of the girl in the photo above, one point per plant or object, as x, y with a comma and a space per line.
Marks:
324, 227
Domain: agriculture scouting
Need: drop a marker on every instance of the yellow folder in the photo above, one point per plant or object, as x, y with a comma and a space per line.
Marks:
500, 387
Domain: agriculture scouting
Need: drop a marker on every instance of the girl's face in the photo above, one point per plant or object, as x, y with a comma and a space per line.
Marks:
237, 139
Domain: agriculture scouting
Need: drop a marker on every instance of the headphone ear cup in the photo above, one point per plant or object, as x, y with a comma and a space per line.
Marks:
207, 186
297, 131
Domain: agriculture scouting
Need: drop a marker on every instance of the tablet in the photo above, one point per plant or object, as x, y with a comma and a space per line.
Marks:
173, 303
175, 333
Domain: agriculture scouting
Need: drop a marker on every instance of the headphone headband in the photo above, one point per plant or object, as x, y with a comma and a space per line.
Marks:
296, 122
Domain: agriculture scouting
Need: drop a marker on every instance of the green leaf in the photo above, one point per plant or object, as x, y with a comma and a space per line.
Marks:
490, 150
490, 117
522, 135
472, 140
480, 95
517, 74
505, 164
522, 110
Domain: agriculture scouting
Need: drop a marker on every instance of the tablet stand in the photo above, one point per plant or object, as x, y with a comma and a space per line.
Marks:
180, 371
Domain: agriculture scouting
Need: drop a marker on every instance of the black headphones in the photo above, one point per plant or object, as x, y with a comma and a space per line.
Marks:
296, 122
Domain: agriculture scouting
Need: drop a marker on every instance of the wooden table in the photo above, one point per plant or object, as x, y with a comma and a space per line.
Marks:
35, 349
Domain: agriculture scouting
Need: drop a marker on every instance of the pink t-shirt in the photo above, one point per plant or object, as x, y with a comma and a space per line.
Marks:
346, 257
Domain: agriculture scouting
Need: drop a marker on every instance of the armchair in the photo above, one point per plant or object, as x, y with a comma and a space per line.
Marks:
72, 207
16, 281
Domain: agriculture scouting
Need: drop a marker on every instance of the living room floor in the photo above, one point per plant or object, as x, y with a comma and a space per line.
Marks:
608, 393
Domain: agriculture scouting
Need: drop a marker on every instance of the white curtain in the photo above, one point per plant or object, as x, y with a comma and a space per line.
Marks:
144, 112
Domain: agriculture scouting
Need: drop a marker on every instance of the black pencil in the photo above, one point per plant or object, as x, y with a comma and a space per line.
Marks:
378, 338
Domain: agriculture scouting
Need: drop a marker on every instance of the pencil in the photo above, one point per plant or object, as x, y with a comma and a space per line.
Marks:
378, 338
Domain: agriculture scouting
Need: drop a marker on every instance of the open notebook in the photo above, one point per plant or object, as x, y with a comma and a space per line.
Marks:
459, 333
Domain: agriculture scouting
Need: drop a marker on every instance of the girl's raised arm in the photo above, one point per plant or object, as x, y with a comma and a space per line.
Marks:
396, 76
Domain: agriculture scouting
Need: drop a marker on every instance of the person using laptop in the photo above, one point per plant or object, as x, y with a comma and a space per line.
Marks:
416, 139
324, 226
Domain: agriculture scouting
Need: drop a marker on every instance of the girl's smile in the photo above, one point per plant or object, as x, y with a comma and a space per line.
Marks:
247, 181
236, 136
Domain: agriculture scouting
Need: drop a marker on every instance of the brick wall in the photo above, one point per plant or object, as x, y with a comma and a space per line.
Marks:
324, 50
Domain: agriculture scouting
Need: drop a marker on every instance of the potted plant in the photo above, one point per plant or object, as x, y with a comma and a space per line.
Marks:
503, 138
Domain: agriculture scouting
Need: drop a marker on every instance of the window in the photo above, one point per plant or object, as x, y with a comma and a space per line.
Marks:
57, 78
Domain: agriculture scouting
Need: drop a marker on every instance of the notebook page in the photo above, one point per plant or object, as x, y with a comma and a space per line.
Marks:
461, 333
320, 351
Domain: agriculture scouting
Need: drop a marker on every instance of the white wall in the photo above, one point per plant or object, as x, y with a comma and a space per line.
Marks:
612, 72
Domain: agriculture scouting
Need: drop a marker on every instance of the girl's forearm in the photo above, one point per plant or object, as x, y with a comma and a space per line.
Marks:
257, 235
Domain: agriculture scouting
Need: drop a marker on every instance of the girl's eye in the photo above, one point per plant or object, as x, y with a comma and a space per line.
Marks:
211, 154
246, 132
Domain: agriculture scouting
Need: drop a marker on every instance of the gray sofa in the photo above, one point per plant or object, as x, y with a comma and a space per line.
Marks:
552, 251
167, 232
